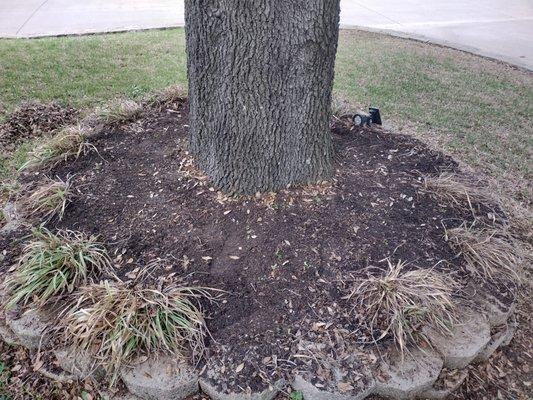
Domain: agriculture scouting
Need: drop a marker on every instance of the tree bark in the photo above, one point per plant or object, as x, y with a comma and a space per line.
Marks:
260, 79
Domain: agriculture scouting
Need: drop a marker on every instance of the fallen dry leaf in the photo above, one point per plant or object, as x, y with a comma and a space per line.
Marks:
37, 365
344, 387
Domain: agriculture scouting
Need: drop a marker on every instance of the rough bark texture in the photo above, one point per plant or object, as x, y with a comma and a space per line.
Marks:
260, 81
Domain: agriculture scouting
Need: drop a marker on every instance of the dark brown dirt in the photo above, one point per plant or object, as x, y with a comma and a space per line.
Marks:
284, 260
296, 250
32, 120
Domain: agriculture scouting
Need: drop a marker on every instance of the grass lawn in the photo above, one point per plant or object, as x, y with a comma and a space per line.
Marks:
478, 110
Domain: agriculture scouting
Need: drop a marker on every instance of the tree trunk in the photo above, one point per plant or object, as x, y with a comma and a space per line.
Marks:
260, 80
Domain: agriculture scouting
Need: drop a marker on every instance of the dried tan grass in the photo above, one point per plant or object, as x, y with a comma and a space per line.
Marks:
170, 94
464, 194
459, 191
400, 303
341, 106
69, 143
118, 322
119, 111
521, 221
9, 187
488, 253
48, 200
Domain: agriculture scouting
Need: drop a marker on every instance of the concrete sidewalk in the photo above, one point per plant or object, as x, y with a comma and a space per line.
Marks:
501, 29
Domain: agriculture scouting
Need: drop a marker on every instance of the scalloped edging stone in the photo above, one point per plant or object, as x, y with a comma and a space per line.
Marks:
465, 342
29, 328
12, 217
501, 338
79, 365
166, 379
64, 378
513, 326
410, 377
7, 335
311, 392
417, 377
160, 379
497, 313
217, 394
442, 394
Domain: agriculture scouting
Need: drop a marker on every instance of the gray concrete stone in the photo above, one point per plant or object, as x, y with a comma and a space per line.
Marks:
29, 329
216, 394
160, 379
410, 377
444, 393
61, 377
7, 335
498, 339
496, 312
79, 365
12, 217
468, 338
311, 392
513, 326
484, 302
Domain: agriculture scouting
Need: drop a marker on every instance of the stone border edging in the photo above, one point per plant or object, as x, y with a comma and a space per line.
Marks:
474, 339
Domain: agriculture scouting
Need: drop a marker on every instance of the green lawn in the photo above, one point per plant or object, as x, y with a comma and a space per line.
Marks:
478, 110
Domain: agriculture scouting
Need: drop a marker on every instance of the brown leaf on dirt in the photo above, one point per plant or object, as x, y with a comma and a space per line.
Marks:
344, 387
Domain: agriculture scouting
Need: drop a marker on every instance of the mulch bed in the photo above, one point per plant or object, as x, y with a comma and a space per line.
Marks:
33, 119
284, 260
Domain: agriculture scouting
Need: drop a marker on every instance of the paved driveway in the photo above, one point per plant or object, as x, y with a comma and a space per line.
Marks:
501, 29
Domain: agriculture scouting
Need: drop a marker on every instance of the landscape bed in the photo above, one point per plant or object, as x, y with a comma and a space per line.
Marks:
282, 268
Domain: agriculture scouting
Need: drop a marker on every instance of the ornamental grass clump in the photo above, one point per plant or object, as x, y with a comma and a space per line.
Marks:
53, 265
400, 302
117, 322
459, 191
489, 254
69, 143
48, 200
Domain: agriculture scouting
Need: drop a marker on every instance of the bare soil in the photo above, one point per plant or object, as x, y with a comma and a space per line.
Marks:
285, 260
280, 258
